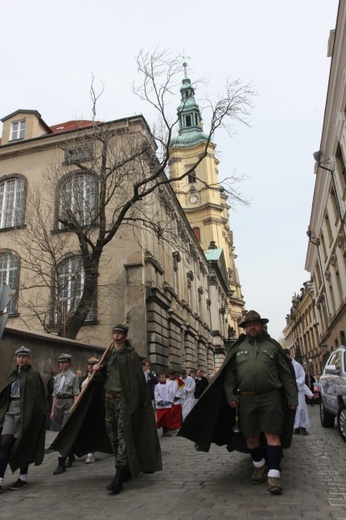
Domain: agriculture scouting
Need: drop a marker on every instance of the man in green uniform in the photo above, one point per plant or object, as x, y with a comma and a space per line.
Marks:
258, 379
253, 382
129, 416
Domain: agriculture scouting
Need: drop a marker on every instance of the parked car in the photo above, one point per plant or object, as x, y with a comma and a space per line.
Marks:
332, 387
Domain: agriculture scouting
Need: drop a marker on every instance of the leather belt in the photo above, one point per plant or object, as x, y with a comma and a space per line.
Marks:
247, 393
64, 396
15, 398
113, 395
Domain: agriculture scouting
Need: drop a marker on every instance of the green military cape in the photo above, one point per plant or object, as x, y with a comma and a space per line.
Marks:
30, 444
85, 429
212, 419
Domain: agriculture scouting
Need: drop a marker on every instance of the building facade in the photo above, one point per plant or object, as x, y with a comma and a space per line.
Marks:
61, 186
201, 195
326, 254
302, 331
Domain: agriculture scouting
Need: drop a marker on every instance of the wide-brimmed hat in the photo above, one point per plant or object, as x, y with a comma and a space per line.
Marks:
252, 316
93, 361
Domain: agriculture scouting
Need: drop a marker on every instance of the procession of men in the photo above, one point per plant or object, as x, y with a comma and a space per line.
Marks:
122, 404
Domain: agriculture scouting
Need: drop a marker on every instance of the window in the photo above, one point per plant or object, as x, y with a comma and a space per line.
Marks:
329, 230
324, 250
336, 360
70, 287
18, 130
79, 154
192, 177
342, 338
197, 233
78, 196
9, 273
12, 197
341, 163
339, 287
335, 205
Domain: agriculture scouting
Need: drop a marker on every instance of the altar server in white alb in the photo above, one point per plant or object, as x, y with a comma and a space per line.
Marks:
188, 397
301, 421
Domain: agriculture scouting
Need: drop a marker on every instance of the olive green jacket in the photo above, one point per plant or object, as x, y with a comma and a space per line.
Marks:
260, 371
212, 419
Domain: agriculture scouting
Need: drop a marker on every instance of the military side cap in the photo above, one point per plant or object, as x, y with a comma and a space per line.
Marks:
93, 361
23, 351
65, 357
121, 327
252, 316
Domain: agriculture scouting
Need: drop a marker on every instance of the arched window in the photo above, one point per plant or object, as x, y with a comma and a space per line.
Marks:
77, 199
191, 178
197, 233
9, 273
70, 287
12, 202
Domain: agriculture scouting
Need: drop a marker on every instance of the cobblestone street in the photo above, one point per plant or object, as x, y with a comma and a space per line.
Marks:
212, 485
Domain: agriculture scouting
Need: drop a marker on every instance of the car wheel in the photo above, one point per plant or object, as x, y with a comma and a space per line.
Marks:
342, 422
327, 419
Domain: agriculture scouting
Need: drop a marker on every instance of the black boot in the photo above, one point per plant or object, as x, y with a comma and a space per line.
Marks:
126, 475
61, 468
70, 461
116, 486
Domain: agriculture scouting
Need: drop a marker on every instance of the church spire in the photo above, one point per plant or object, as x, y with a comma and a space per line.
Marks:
190, 121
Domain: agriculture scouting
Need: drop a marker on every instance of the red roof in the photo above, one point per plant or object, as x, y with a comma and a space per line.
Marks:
71, 125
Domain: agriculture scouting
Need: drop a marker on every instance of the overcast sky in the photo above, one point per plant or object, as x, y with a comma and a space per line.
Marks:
50, 49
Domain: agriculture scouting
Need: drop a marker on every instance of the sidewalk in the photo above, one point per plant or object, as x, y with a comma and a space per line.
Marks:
212, 485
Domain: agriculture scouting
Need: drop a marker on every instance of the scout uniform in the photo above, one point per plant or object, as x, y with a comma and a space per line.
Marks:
23, 416
66, 387
258, 373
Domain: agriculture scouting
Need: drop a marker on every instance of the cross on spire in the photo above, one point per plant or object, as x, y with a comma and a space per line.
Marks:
185, 64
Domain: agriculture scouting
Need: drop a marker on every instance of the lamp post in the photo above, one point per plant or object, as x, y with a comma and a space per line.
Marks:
325, 354
230, 340
309, 372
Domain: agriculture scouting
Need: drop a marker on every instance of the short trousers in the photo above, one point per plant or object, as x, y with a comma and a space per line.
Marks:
261, 413
12, 420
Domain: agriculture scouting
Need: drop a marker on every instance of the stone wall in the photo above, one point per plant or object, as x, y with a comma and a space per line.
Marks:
45, 350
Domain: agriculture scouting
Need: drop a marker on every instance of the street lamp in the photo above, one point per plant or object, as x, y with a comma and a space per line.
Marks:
325, 354
307, 364
309, 372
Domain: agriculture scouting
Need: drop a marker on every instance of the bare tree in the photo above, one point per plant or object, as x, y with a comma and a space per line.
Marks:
107, 179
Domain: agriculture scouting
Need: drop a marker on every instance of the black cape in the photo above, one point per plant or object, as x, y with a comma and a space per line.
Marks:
29, 446
212, 419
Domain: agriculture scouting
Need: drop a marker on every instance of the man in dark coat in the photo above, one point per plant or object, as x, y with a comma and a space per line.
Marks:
124, 424
201, 383
256, 380
151, 378
23, 419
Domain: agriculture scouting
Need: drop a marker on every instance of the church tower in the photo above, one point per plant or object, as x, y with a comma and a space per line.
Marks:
200, 194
